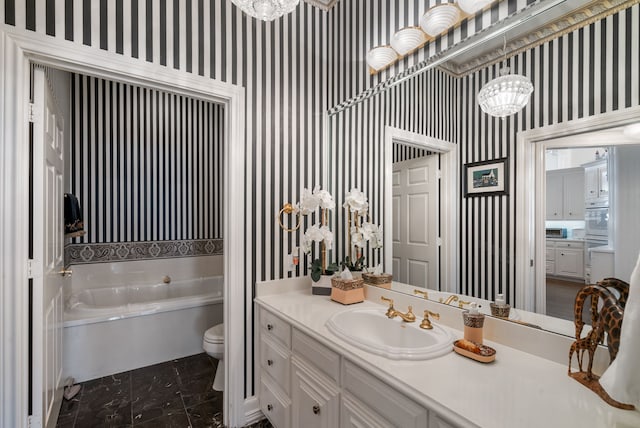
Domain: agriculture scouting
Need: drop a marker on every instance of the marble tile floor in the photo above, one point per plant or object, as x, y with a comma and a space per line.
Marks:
173, 394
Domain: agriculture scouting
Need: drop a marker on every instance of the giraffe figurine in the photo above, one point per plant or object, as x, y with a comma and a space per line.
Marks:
610, 295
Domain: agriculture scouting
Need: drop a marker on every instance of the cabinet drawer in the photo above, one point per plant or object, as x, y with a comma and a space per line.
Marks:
354, 414
575, 245
318, 355
551, 267
388, 403
274, 405
275, 361
275, 327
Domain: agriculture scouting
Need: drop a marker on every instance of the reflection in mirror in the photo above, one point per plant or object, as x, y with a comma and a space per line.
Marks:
578, 77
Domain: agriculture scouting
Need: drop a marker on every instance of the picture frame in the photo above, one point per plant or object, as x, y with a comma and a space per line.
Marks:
486, 178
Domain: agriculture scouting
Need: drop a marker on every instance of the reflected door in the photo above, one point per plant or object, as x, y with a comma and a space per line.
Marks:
415, 222
48, 229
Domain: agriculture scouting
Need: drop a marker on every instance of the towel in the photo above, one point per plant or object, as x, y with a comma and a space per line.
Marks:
72, 214
621, 380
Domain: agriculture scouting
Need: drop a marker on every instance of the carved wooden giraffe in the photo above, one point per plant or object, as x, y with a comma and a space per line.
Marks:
608, 319
610, 295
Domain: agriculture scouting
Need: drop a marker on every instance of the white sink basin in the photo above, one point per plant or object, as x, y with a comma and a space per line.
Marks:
370, 329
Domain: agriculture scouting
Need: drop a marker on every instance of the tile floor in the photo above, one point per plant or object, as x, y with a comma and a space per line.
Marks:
171, 394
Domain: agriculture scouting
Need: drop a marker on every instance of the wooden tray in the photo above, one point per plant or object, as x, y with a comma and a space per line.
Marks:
486, 355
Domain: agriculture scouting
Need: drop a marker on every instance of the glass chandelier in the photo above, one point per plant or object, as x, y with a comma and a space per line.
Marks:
267, 10
506, 94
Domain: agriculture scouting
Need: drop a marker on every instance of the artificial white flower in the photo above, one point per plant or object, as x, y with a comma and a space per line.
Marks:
312, 200
357, 239
325, 198
356, 201
308, 203
373, 234
317, 233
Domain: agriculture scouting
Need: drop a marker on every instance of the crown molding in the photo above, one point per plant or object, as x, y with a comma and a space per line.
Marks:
577, 19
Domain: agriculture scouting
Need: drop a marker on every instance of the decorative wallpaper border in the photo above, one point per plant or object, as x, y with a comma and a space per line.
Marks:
75, 254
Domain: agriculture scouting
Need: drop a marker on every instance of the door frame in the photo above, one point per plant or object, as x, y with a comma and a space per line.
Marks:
449, 200
20, 49
531, 205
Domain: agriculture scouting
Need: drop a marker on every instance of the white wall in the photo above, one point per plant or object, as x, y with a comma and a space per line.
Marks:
626, 206
570, 158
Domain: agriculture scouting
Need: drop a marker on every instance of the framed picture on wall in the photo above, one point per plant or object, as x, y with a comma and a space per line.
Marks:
486, 178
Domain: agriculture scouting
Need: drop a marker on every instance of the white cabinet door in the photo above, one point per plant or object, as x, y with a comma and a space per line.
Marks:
314, 398
590, 184
355, 414
573, 196
569, 262
554, 196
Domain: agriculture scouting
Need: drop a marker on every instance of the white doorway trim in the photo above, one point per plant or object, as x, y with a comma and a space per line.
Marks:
449, 199
18, 50
531, 205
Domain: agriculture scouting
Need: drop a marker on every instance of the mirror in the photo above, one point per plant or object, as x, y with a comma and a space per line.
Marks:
487, 248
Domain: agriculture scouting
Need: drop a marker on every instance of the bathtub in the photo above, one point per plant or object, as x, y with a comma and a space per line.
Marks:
114, 329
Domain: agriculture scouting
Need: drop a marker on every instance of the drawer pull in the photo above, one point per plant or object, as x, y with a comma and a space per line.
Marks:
269, 326
269, 362
269, 407
316, 409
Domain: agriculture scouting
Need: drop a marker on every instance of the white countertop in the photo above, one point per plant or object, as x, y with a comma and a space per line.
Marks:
516, 390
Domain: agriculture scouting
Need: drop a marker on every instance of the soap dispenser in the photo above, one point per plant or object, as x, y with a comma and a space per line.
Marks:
473, 323
500, 308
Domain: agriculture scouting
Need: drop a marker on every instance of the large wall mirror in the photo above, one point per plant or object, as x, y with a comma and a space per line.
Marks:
429, 122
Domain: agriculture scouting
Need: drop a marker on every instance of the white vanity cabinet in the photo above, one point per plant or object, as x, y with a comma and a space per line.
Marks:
324, 389
565, 194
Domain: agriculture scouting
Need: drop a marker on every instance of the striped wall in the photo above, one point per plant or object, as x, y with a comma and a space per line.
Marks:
145, 165
402, 152
424, 104
589, 71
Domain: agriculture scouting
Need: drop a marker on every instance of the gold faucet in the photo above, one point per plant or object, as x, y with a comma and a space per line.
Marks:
452, 298
408, 317
461, 303
426, 322
392, 313
424, 293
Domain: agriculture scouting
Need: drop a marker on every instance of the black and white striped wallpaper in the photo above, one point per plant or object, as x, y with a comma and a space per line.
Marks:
146, 165
402, 152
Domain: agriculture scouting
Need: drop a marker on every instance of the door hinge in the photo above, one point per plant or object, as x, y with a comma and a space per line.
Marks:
531, 263
438, 174
34, 421
30, 263
31, 113
439, 241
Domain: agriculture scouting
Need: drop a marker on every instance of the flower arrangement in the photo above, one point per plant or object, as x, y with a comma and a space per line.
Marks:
319, 232
357, 205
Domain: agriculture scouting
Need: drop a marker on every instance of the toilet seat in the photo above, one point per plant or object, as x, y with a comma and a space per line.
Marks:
215, 334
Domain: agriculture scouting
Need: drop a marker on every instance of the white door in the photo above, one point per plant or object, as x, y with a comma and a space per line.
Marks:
415, 222
48, 261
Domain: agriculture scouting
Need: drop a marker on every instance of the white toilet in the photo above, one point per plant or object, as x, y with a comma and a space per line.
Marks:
213, 344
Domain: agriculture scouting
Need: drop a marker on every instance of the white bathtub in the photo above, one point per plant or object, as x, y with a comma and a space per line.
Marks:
115, 329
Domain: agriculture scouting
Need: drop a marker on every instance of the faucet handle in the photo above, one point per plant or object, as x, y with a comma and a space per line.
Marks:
426, 322
461, 303
424, 293
389, 301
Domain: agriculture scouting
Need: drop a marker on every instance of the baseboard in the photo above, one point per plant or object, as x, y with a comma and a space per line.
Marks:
252, 412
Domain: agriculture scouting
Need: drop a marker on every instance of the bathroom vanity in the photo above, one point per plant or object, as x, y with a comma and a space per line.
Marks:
310, 377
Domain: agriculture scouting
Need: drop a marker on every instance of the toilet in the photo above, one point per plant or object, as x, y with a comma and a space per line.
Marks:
213, 344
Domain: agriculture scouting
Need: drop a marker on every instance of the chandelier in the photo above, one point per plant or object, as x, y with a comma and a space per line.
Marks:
506, 94
267, 10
